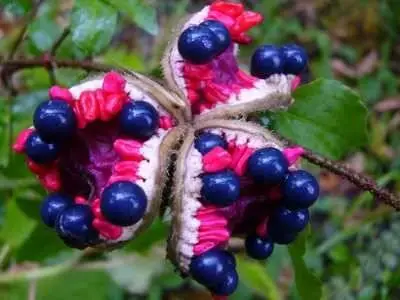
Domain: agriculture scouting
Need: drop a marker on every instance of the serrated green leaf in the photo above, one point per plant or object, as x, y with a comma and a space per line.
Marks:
327, 117
308, 285
255, 276
141, 13
93, 24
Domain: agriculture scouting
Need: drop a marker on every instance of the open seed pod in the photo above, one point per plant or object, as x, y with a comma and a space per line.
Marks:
201, 65
235, 179
101, 150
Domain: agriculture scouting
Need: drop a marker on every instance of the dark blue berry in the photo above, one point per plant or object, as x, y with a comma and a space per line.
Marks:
290, 220
281, 237
39, 151
300, 190
266, 60
54, 120
74, 243
205, 142
198, 45
228, 286
139, 119
123, 203
258, 247
74, 225
221, 189
222, 33
268, 166
52, 206
210, 267
295, 59
230, 258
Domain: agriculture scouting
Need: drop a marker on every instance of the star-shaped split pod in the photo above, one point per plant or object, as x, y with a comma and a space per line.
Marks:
102, 150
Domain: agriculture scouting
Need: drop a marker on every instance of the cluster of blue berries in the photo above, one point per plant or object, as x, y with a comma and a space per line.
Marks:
72, 222
299, 189
219, 188
269, 59
122, 203
55, 123
266, 167
216, 270
200, 44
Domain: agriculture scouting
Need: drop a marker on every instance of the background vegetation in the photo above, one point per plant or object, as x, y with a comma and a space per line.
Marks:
352, 248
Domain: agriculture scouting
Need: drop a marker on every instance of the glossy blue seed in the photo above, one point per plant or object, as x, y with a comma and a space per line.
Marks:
139, 119
198, 45
123, 203
266, 61
230, 258
205, 142
300, 190
39, 151
74, 243
55, 120
295, 59
290, 220
228, 286
281, 237
258, 247
268, 166
52, 206
74, 224
222, 33
210, 267
221, 189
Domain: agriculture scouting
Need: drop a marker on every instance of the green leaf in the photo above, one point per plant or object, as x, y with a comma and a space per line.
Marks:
32, 249
67, 286
17, 7
123, 58
42, 33
255, 276
141, 13
17, 226
308, 285
327, 117
137, 275
92, 25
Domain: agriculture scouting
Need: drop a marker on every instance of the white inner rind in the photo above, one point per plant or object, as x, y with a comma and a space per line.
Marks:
188, 235
150, 151
275, 84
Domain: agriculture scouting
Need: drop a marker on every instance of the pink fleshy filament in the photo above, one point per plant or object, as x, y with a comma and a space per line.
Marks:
293, 154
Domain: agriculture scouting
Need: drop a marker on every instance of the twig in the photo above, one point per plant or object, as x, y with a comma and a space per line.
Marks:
23, 31
13, 66
52, 53
360, 180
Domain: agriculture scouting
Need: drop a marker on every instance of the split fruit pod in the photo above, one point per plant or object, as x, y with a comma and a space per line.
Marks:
201, 65
101, 149
230, 182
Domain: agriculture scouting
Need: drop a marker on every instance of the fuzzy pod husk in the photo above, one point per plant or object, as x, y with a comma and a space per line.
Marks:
178, 189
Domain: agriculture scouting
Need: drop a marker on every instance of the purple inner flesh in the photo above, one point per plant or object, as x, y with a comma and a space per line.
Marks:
225, 67
86, 164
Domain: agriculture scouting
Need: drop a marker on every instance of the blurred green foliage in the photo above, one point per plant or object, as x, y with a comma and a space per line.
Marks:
351, 250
